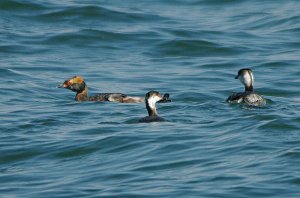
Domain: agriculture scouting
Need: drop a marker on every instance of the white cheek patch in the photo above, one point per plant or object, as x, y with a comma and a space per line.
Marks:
153, 100
157, 98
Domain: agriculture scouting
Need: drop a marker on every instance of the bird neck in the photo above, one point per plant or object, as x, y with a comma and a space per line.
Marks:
151, 108
83, 95
249, 88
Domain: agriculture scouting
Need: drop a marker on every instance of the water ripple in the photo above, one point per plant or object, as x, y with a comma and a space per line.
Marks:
53, 145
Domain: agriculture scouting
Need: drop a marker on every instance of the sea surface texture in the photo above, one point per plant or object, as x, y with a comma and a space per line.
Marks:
52, 146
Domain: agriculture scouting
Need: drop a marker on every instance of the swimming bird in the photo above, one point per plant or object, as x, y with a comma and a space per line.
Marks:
151, 99
248, 96
78, 85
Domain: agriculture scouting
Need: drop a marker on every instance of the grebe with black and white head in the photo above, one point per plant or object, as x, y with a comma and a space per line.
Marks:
151, 99
77, 84
248, 96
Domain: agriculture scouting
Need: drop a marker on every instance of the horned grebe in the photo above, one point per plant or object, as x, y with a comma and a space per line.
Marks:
248, 96
78, 85
150, 99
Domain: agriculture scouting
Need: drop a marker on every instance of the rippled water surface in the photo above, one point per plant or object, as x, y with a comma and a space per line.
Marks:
53, 146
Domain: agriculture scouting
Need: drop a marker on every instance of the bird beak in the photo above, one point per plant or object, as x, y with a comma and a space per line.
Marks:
236, 77
64, 85
165, 98
60, 85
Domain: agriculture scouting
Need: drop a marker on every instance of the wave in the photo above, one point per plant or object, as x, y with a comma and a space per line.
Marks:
188, 47
97, 13
15, 5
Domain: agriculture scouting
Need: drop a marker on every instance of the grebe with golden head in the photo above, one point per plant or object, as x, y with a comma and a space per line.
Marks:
78, 85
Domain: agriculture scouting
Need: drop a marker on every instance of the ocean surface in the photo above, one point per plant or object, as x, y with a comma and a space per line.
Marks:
53, 146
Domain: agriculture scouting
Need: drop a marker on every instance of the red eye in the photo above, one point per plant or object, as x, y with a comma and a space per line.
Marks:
67, 83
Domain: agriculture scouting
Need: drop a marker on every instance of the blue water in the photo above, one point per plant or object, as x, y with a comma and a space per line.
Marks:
53, 146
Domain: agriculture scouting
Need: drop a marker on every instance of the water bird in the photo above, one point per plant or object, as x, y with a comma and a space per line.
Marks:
151, 98
248, 97
78, 85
